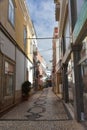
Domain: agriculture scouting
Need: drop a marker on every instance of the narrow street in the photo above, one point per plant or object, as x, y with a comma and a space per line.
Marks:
43, 57
43, 111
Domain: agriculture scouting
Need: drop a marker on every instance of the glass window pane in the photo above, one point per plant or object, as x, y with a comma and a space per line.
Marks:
11, 12
79, 5
8, 90
9, 79
25, 34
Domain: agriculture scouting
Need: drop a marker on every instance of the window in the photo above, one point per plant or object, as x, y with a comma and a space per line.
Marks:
84, 47
11, 12
67, 34
25, 35
79, 6
9, 79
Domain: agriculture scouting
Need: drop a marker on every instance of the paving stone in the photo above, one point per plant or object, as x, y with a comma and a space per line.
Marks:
43, 111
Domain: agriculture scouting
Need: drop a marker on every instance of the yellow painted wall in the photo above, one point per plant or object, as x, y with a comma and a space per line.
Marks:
4, 17
28, 44
19, 25
17, 32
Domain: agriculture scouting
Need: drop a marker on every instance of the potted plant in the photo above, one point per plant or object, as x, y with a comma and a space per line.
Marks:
26, 87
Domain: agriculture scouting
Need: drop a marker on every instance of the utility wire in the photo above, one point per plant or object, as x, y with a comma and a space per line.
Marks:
48, 49
45, 50
42, 38
42, 51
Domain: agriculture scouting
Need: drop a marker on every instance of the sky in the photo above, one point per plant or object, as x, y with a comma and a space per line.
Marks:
42, 13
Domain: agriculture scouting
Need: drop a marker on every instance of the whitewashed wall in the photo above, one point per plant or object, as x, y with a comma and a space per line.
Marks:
28, 67
19, 69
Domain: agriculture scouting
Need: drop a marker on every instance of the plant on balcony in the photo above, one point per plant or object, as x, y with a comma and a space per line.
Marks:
26, 87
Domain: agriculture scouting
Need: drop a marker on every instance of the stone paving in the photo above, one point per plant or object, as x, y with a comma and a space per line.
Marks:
43, 111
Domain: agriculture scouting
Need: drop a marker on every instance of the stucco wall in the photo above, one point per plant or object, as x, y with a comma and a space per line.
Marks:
19, 69
28, 66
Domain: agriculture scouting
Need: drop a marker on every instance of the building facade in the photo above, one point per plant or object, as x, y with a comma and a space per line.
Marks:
40, 70
16, 51
55, 34
72, 36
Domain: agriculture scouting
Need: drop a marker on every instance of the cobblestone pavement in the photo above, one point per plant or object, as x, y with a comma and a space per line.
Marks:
43, 111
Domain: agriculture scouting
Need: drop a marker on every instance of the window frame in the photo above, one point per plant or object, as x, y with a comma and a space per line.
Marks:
25, 36
9, 76
11, 12
79, 4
